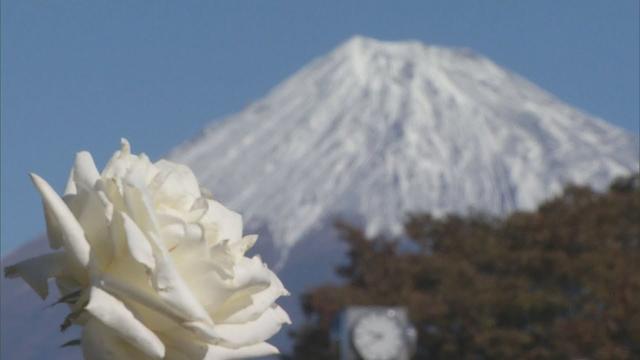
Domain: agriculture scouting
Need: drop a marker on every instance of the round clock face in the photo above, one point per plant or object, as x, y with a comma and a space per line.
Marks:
378, 337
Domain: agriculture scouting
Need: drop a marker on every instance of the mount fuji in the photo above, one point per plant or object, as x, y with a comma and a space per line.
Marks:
376, 129
370, 132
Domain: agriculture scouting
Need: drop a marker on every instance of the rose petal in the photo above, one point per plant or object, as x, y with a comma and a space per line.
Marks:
120, 162
168, 214
73, 237
117, 236
141, 296
92, 212
184, 241
70, 188
229, 222
140, 172
221, 255
101, 192
169, 302
251, 272
203, 330
54, 234
99, 342
248, 305
85, 173
180, 346
175, 184
129, 280
255, 331
212, 286
254, 350
115, 315
138, 245
172, 288
239, 248
53, 228
140, 208
36, 271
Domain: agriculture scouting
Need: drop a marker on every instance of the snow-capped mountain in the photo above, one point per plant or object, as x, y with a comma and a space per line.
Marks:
378, 129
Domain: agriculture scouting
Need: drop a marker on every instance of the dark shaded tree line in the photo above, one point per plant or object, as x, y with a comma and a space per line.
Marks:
561, 282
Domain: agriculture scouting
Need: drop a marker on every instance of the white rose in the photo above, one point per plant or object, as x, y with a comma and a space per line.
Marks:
151, 266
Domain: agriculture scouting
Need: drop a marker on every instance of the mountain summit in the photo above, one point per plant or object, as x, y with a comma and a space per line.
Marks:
379, 129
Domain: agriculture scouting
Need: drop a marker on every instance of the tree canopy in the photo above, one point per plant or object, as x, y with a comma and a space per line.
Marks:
560, 282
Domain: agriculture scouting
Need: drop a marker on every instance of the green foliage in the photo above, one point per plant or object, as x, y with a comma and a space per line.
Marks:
562, 282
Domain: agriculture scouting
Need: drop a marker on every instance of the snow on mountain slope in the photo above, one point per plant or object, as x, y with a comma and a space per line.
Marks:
378, 129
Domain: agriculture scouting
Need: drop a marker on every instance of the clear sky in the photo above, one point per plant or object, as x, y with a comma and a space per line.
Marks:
81, 74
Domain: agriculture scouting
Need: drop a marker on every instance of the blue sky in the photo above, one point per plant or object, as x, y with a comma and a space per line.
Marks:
80, 75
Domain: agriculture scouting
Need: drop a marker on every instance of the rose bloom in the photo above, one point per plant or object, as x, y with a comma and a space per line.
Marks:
151, 266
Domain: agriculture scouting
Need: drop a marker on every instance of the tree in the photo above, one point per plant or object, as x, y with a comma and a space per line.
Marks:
561, 282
